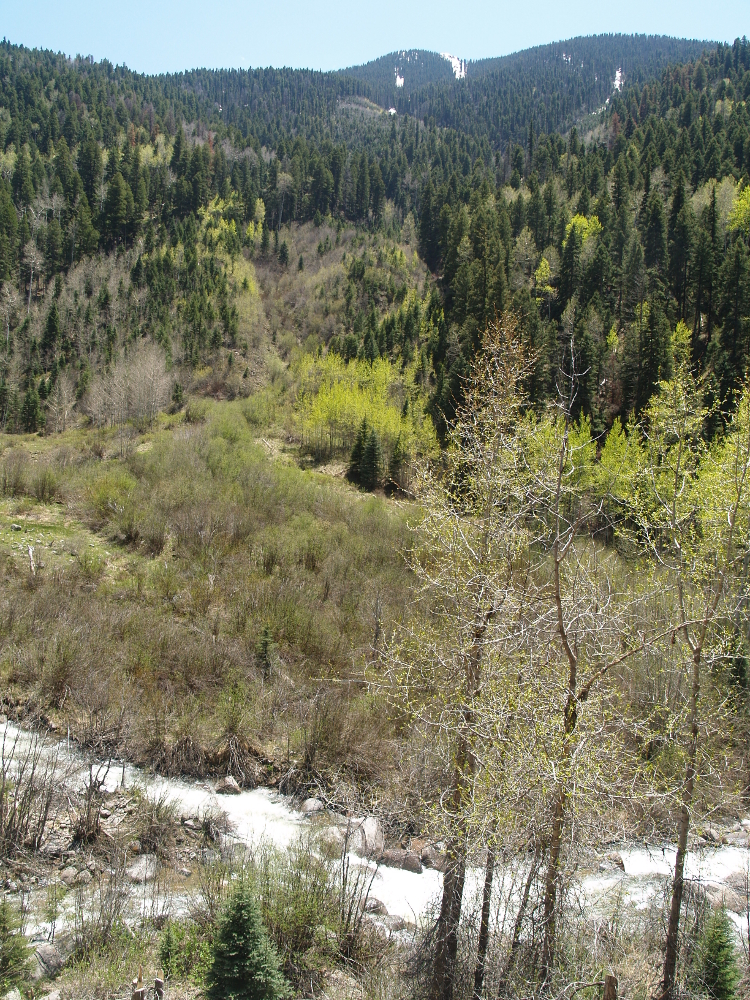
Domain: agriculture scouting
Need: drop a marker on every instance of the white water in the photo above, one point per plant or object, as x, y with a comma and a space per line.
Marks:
265, 814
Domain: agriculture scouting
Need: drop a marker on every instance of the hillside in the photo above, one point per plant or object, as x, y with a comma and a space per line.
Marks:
397, 464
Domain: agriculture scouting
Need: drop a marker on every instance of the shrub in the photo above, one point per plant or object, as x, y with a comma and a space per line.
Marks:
716, 960
245, 965
14, 950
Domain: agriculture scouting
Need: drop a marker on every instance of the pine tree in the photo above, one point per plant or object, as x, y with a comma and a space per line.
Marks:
245, 964
717, 970
371, 463
14, 951
31, 410
355, 458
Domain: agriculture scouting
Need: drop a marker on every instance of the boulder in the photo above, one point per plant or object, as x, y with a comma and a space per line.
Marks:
397, 858
723, 896
48, 958
227, 786
83, 877
357, 842
394, 923
68, 875
431, 857
312, 806
13, 995
143, 869
739, 838
375, 907
340, 986
372, 830
332, 838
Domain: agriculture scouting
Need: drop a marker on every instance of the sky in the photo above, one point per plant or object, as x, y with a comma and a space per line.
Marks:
154, 36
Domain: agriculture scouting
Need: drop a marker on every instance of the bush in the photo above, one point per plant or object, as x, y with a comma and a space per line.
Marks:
245, 965
717, 971
14, 950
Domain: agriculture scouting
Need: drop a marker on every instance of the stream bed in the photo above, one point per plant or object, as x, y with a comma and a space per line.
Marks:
634, 878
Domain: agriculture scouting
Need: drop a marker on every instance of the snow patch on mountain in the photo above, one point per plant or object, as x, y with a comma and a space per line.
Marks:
618, 80
458, 65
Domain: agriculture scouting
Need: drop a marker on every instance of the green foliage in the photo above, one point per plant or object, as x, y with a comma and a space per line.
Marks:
14, 949
185, 951
715, 969
245, 965
31, 413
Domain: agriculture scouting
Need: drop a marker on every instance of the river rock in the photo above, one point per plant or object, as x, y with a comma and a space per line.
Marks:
375, 907
227, 786
394, 923
142, 870
340, 986
723, 896
332, 838
312, 806
372, 829
431, 857
611, 861
49, 960
68, 875
739, 838
397, 858
714, 835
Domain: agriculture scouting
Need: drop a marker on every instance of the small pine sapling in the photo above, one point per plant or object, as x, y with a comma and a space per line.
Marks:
245, 964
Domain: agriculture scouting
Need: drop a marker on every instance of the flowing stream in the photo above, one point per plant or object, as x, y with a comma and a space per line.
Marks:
265, 814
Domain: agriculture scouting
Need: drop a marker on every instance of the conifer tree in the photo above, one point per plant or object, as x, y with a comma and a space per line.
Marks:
245, 964
14, 952
371, 463
355, 458
717, 971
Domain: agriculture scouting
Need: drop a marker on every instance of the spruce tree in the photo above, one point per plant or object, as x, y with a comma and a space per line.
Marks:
14, 950
717, 970
371, 463
31, 410
356, 456
245, 964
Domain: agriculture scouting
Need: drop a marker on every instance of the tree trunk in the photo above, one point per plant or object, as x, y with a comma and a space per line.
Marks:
551, 883
673, 927
446, 942
484, 924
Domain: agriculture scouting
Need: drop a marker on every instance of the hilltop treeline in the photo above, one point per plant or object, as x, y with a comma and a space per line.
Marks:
601, 239
602, 246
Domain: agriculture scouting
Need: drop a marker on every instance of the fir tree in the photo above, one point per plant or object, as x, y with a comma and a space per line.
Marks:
356, 456
717, 971
31, 410
371, 463
245, 964
14, 950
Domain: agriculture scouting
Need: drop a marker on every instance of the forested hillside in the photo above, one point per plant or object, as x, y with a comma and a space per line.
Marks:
389, 447
552, 84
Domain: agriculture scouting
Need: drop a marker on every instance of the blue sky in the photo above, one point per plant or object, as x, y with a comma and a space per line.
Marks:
165, 35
